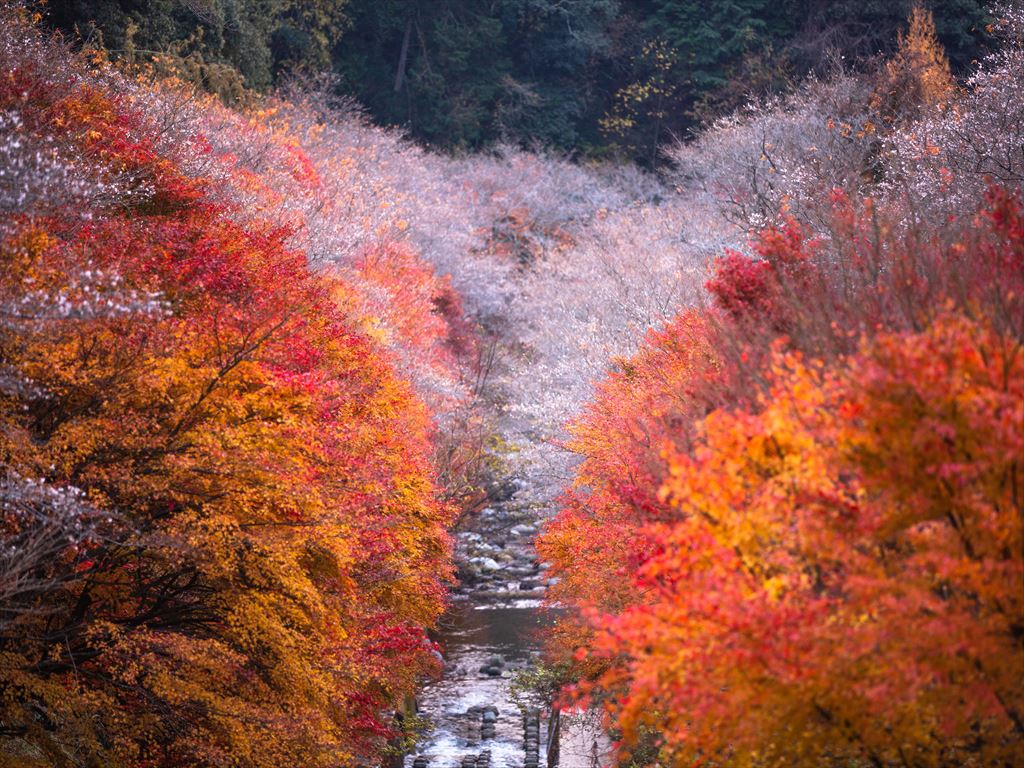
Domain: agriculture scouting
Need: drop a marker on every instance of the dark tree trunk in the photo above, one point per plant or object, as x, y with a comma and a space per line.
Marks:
400, 74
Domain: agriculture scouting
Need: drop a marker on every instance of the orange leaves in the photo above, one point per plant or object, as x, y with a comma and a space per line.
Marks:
417, 314
919, 73
809, 548
951, 406
770, 592
276, 546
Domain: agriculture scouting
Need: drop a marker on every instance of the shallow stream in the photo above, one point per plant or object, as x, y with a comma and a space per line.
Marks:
471, 709
490, 634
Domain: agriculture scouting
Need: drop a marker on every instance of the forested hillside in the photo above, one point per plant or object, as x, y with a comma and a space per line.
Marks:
223, 536
795, 534
598, 77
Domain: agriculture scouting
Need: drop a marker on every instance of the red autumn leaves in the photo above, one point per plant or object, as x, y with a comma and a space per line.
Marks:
252, 543
796, 536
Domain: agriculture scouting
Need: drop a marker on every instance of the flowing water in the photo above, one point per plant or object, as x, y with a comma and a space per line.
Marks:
484, 646
490, 634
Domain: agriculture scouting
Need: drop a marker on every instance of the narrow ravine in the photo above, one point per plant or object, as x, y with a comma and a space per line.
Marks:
540, 316
480, 713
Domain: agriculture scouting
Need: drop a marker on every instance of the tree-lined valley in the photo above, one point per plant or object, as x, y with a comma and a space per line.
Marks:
493, 385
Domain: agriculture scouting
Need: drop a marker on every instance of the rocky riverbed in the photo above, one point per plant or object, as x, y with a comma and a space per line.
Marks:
491, 633
497, 561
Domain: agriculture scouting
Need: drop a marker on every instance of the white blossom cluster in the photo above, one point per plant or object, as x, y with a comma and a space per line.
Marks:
41, 524
787, 154
35, 177
84, 294
14, 384
783, 153
948, 158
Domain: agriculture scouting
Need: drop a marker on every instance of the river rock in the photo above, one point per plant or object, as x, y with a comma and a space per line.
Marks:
518, 571
485, 564
502, 491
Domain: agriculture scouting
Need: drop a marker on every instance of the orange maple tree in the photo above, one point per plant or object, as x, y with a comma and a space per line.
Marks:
796, 537
253, 541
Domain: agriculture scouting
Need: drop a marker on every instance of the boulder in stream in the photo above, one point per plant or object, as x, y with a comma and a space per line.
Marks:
485, 564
